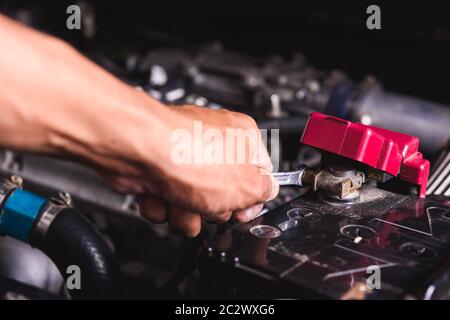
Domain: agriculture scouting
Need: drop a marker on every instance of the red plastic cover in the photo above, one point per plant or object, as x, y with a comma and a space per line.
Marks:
395, 153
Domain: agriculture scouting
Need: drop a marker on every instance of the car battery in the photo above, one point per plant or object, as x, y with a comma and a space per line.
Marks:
380, 245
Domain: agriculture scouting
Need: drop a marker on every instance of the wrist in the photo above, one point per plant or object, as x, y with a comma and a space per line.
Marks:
124, 124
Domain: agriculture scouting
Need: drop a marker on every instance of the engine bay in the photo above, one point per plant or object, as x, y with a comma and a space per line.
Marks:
314, 241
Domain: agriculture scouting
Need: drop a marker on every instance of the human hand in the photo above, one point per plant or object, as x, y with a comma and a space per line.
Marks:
186, 193
55, 101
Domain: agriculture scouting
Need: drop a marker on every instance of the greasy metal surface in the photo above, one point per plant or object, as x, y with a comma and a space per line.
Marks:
328, 248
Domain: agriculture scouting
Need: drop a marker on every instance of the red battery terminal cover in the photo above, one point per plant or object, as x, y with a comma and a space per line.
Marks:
394, 153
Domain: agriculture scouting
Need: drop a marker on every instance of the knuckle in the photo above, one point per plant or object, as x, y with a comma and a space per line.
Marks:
242, 119
267, 189
248, 121
261, 187
208, 207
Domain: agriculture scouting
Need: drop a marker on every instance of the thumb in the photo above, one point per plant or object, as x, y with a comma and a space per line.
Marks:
262, 183
272, 188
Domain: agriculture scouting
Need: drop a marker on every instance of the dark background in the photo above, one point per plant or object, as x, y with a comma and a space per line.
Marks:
410, 54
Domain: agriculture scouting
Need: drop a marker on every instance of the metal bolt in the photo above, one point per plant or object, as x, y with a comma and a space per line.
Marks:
358, 239
275, 102
313, 86
366, 119
66, 198
63, 199
200, 101
17, 180
300, 94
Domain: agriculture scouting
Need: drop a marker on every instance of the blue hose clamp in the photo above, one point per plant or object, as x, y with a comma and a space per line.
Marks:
19, 214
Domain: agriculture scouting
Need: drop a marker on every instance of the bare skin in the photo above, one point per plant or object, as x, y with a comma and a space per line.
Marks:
55, 101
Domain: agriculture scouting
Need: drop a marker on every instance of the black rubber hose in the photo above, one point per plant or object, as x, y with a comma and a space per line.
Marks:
72, 240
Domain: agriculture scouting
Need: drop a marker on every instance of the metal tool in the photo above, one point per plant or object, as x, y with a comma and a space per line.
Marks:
293, 178
335, 181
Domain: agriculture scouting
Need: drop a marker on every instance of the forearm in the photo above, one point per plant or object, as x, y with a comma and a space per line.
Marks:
55, 101
47, 107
